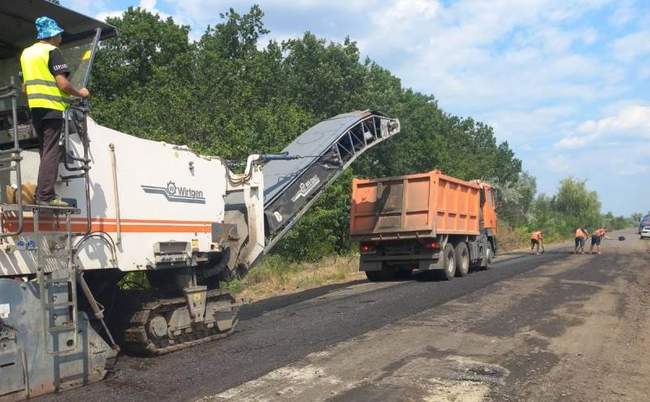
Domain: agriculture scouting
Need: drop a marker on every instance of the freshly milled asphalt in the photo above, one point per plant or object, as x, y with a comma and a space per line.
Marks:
278, 331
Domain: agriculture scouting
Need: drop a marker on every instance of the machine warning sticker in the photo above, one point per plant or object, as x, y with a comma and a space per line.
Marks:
5, 309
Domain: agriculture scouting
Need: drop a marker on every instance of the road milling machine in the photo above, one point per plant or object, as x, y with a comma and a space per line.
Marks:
186, 220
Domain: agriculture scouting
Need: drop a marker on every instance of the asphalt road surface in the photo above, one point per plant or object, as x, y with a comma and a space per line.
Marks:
550, 327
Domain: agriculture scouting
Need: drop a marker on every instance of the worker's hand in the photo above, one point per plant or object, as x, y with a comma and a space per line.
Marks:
84, 92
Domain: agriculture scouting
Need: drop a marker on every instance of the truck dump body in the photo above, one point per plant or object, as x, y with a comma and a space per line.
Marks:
422, 222
417, 205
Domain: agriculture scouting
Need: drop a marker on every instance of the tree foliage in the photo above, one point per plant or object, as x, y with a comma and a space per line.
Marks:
516, 198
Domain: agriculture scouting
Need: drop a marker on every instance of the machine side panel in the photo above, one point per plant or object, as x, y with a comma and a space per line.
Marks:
166, 193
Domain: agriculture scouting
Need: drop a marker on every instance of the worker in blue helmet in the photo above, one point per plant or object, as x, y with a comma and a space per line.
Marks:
46, 84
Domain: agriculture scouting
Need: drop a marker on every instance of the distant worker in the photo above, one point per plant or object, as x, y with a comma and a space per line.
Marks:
596, 238
537, 241
45, 80
581, 238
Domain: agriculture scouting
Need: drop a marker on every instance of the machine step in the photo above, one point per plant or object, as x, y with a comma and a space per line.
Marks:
57, 280
52, 306
62, 328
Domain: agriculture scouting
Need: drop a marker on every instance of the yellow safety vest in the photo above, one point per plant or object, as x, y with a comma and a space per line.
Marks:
40, 84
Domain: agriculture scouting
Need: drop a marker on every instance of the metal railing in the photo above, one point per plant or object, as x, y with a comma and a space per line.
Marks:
77, 115
13, 156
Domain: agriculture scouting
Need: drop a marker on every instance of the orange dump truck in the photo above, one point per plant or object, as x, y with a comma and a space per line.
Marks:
421, 222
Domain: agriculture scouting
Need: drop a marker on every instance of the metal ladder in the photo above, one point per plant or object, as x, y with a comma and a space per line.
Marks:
58, 287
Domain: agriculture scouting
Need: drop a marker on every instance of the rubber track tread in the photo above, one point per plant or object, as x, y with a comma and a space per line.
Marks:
136, 338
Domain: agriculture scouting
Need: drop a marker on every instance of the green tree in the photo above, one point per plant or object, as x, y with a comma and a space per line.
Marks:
577, 205
515, 199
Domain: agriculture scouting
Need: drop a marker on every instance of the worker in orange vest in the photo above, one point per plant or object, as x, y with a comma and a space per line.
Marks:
596, 237
581, 237
537, 241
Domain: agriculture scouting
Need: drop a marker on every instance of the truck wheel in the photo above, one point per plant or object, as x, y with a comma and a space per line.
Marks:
448, 262
379, 276
462, 259
487, 257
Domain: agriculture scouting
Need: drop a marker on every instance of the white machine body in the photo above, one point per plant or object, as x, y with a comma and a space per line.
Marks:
142, 193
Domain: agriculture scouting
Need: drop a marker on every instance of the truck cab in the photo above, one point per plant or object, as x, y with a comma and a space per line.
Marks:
488, 207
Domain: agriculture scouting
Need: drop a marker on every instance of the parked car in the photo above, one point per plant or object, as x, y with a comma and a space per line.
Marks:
645, 232
645, 221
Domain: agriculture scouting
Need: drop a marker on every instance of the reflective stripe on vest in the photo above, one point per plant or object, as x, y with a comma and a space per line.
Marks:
46, 97
40, 84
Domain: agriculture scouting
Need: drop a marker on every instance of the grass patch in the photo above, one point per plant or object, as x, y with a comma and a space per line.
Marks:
275, 276
510, 239
134, 280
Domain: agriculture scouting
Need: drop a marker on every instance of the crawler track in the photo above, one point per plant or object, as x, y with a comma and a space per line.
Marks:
139, 340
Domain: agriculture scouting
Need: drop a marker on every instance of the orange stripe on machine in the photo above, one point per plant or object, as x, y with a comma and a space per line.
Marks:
51, 224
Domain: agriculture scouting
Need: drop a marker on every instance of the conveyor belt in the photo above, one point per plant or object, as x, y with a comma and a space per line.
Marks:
322, 153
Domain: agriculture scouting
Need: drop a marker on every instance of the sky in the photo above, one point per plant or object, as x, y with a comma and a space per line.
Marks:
565, 82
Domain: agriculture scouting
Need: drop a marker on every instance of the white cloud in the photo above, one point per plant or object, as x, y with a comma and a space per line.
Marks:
522, 127
625, 12
402, 13
502, 53
573, 142
633, 45
149, 5
559, 164
85, 6
632, 169
102, 16
631, 122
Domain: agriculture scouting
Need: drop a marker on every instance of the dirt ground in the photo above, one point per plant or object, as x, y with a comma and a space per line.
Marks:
577, 329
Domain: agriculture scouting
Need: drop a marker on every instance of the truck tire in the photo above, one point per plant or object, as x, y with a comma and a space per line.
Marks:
448, 262
487, 257
462, 259
379, 276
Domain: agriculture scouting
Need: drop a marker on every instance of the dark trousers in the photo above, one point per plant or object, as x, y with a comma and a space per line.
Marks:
49, 131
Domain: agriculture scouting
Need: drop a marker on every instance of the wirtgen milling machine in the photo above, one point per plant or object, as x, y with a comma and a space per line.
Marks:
184, 219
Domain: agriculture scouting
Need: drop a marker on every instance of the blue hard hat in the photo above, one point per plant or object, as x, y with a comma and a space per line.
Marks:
46, 27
